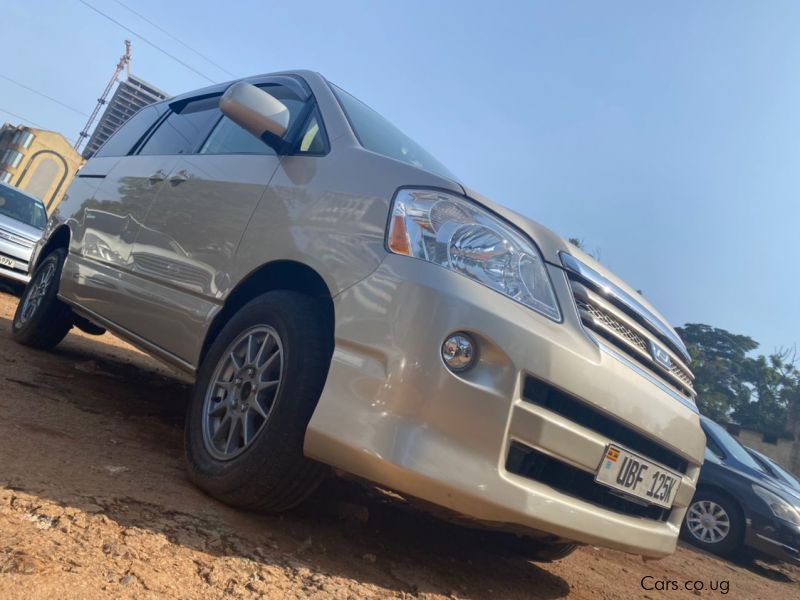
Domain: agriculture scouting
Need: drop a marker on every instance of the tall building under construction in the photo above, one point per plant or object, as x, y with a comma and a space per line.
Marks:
130, 95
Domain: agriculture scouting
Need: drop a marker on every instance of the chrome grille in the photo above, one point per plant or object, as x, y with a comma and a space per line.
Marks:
628, 324
682, 375
631, 336
16, 239
599, 317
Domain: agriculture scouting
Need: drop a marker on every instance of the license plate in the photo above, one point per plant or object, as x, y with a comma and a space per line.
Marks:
7, 262
630, 473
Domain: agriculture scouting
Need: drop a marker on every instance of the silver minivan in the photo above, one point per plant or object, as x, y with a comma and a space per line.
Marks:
345, 304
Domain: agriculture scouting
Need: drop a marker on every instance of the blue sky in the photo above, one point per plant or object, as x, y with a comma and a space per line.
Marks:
665, 134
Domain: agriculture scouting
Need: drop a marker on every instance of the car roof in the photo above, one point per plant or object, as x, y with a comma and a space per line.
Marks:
219, 88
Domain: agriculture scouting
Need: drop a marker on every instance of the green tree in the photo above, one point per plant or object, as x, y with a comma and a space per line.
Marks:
769, 379
761, 393
776, 407
791, 394
719, 363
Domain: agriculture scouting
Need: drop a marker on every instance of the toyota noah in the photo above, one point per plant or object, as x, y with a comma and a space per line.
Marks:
342, 300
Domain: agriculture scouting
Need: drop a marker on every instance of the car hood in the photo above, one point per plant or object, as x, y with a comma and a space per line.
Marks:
550, 243
19, 228
764, 480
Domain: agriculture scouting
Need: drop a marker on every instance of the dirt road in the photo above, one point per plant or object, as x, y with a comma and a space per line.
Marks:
94, 503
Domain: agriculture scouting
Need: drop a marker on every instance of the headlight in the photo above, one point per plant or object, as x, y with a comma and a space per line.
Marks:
459, 235
779, 507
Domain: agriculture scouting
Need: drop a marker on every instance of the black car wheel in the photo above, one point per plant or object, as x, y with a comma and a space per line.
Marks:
42, 320
254, 397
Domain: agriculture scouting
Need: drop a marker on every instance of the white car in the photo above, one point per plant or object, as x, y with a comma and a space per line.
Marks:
22, 220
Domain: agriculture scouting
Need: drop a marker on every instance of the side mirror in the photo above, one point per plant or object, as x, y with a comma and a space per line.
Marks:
256, 111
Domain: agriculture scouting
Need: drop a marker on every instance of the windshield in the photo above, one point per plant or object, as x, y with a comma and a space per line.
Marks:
787, 477
730, 446
377, 134
20, 207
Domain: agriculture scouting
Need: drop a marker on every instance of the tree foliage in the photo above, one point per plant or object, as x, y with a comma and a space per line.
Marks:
757, 392
718, 363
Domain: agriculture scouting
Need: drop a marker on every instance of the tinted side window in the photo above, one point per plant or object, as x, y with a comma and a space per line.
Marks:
312, 139
182, 131
728, 444
229, 138
131, 131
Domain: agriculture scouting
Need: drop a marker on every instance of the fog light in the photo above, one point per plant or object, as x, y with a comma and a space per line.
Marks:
458, 352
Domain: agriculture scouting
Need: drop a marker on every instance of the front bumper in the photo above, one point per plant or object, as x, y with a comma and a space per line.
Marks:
773, 537
14, 275
392, 413
19, 256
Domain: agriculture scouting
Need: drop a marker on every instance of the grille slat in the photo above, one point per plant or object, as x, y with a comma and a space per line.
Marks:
631, 336
632, 342
583, 277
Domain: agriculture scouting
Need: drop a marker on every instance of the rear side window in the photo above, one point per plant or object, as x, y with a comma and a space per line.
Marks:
131, 132
182, 131
725, 443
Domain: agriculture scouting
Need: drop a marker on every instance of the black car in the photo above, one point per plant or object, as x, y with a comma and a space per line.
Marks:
738, 505
776, 471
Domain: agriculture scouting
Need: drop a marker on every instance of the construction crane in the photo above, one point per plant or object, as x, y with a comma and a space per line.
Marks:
124, 63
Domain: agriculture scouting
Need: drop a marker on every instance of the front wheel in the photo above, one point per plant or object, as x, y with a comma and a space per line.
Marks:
713, 523
42, 320
254, 397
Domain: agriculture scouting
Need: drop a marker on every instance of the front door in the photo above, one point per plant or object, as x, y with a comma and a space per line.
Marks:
185, 250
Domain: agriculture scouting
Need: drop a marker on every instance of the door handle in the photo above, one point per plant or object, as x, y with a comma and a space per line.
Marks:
179, 177
157, 177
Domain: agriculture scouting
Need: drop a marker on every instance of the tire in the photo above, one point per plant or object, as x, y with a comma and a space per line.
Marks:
537, 551
87, 327
726, 537
269, 472
42, 320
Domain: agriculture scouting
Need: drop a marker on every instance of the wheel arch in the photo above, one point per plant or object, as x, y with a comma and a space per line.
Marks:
60, 238
276, 275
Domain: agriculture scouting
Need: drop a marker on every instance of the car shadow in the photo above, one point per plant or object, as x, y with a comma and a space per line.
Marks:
762, 566
11, 287
135, 410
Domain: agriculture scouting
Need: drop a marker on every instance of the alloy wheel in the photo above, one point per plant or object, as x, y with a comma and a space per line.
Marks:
708, 522
35, 293
242, 392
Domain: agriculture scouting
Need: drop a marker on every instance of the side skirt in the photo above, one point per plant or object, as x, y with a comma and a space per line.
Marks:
139, 342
